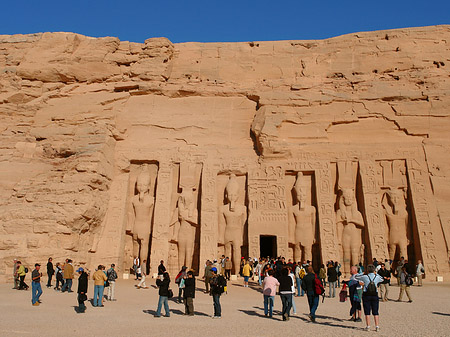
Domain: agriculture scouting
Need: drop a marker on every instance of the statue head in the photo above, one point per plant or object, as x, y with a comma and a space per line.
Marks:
186, 197
232, 190
396, 198
301, 188
143, 181
348, 196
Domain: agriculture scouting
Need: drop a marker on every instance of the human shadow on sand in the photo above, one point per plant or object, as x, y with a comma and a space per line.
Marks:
251, 286
175, 312
440, 313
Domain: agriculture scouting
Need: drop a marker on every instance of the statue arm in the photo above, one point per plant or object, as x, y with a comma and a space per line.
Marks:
339, 227
357, 218
130, 220
292, 223
386, 206
174, 225
243, 218
313, 223
222, 225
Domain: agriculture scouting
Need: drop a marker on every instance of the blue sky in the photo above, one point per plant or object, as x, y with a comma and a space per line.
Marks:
218, 21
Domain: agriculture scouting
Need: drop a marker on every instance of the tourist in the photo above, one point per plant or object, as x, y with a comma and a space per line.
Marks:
21, 272
59, 276
112, 277
285, 293
161, 268
246, 271
270, 284
398, 271
419, 272
360, 268
222, 265
179, 280
258, 270
370, 298
144, 273
207, 276
99, 278
291, 274
355, 294
15, 275
322, 274
36, 289
332, 279
404, 285
163, 284
217, 266
68, 276
386, 275
308, 285
338, 272
82, 289
228, 266
50, 272
217, 283
189, 293
136, 264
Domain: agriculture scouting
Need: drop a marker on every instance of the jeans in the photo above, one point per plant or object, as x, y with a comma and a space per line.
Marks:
384, 291
36, 291
111, 290
260, 280
98, 295
268, 305
49, 283
81, 305
332, 285
286, 301
228, 274
59, 281
180, 294
300, 291
294, 308
67, 285
22, 285
217, 307
313, 301
163, 300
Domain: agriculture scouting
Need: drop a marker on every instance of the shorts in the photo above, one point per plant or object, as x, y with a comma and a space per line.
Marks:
246, 278
371, 304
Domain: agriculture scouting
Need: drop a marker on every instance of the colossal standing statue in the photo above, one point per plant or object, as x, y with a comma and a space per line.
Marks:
397, 220
232, 217
305, 221
349, 223
143, 203
185, 225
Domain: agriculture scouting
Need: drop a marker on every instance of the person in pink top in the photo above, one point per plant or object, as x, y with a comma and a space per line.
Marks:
270, 284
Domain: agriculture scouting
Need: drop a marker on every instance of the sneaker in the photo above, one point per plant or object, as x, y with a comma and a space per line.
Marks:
377, 328
36, 304
367, 328
358, 319
410, 301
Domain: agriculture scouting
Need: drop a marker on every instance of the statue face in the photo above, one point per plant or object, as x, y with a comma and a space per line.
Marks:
232, 195
348, 197
396, 198
301, 194
142, 185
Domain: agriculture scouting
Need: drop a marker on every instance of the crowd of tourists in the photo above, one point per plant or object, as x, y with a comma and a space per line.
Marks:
363, 287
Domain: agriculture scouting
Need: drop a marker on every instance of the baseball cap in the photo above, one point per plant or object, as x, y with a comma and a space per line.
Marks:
80, 269
37, 264
214, 269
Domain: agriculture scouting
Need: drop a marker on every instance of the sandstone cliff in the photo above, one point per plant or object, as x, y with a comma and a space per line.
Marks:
76, 112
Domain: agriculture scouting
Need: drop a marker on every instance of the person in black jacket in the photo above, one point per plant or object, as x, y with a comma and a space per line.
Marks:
189, 293
163, 284
332, 279
285, 293
384, 289
309, 287
82, 289
50, 272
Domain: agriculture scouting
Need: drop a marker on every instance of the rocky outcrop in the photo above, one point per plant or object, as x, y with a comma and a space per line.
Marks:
76, 113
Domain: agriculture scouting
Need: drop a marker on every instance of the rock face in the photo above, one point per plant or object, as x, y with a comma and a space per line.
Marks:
348, 135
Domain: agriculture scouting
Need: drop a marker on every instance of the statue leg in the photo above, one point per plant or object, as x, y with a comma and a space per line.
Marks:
346, 259
144, 249
354, 256
308, 253
392, 248
181, 253
403, 249
297, 252
236, 257
136, 245
189, 254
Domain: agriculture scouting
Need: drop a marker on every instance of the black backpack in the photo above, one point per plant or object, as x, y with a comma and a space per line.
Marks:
371, 288
26, 270
221, 283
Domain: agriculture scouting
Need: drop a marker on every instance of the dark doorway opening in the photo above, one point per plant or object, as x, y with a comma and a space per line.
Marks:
268, 246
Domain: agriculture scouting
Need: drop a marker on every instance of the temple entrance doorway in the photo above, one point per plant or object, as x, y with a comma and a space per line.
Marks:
268, 246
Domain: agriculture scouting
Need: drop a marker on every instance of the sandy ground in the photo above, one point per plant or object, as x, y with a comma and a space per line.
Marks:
242, 310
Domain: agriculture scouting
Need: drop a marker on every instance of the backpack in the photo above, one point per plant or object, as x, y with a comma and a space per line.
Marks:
178, 278
302, 273
221, 284
408, 280
318, 286
26, 270
371, 288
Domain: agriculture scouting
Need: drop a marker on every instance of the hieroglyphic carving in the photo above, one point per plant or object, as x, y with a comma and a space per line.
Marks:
325, 201
420, 191
267, 207
162, 215
376, 225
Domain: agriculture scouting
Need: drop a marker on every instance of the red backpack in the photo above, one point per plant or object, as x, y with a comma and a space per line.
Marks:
318, 286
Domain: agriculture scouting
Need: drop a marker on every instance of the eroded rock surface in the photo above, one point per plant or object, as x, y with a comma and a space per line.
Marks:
79, 116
